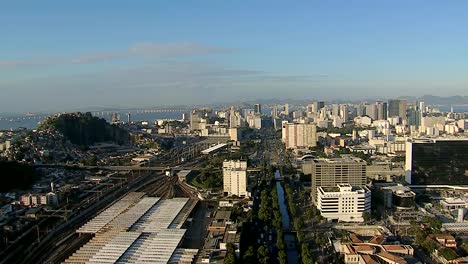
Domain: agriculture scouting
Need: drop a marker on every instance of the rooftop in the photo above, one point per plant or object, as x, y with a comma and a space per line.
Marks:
343, 159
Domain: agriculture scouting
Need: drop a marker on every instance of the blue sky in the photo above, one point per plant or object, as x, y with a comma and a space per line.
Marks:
58, 55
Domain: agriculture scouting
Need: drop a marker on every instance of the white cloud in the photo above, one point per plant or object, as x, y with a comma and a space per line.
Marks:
143, 49
174, 49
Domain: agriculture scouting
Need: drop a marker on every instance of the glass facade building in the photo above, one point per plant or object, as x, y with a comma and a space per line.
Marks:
437, 162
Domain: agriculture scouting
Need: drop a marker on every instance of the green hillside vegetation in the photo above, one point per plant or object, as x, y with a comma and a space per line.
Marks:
85, 129
16, 176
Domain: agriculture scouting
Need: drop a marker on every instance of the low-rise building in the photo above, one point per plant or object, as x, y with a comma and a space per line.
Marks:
374, 251
450, 204
445, 240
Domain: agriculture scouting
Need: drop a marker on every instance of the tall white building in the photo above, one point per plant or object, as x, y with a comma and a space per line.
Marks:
235, 177
299, 135
344, 202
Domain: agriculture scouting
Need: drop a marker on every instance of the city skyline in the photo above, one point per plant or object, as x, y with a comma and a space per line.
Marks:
70, 56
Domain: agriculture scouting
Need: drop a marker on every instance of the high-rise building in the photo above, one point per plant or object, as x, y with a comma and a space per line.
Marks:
330, 172
298, 136
371, 111
286, 109
344, 112
414, 116
442, 161
275, 111
319, 105
115, 118
311, 108
235, 178
344, 202
381, 110
195, 119
258, 109
397, 108
129, 118
235, 118
335, 109
360, 110
422, 107
254, 121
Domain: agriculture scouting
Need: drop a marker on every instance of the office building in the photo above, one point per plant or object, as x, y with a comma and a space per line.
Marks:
399, 197
381, 110
442, 161
414, 116
343, 202
397, 108
235, 178
371, 111
333, 171
297, 136
258, 109
319, 105
129, 118
360, 110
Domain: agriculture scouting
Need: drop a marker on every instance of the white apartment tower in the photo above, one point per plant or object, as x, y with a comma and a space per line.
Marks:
298, 136
235, 177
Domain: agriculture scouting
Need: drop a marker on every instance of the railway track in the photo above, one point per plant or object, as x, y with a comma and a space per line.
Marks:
160, 185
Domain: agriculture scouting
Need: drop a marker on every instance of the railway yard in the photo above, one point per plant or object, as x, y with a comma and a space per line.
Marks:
159, 187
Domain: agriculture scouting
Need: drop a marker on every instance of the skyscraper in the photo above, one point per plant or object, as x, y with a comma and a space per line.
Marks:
257, 108
397, 108
371, 111
360, 110
319, 105
414, 116
381, 110
129, 118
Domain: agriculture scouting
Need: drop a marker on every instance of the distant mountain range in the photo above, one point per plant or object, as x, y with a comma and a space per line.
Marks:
437, 100
428, 99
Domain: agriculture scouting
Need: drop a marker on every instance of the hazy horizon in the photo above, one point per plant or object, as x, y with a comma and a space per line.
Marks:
77, 55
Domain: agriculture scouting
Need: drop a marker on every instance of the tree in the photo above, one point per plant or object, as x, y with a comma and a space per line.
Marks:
230, 254
448, 253
264, 254
283, 259
249, 256
367, 217
429, 245
92, 160
305, 254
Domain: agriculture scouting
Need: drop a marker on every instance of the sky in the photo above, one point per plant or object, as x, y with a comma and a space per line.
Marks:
60, 55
